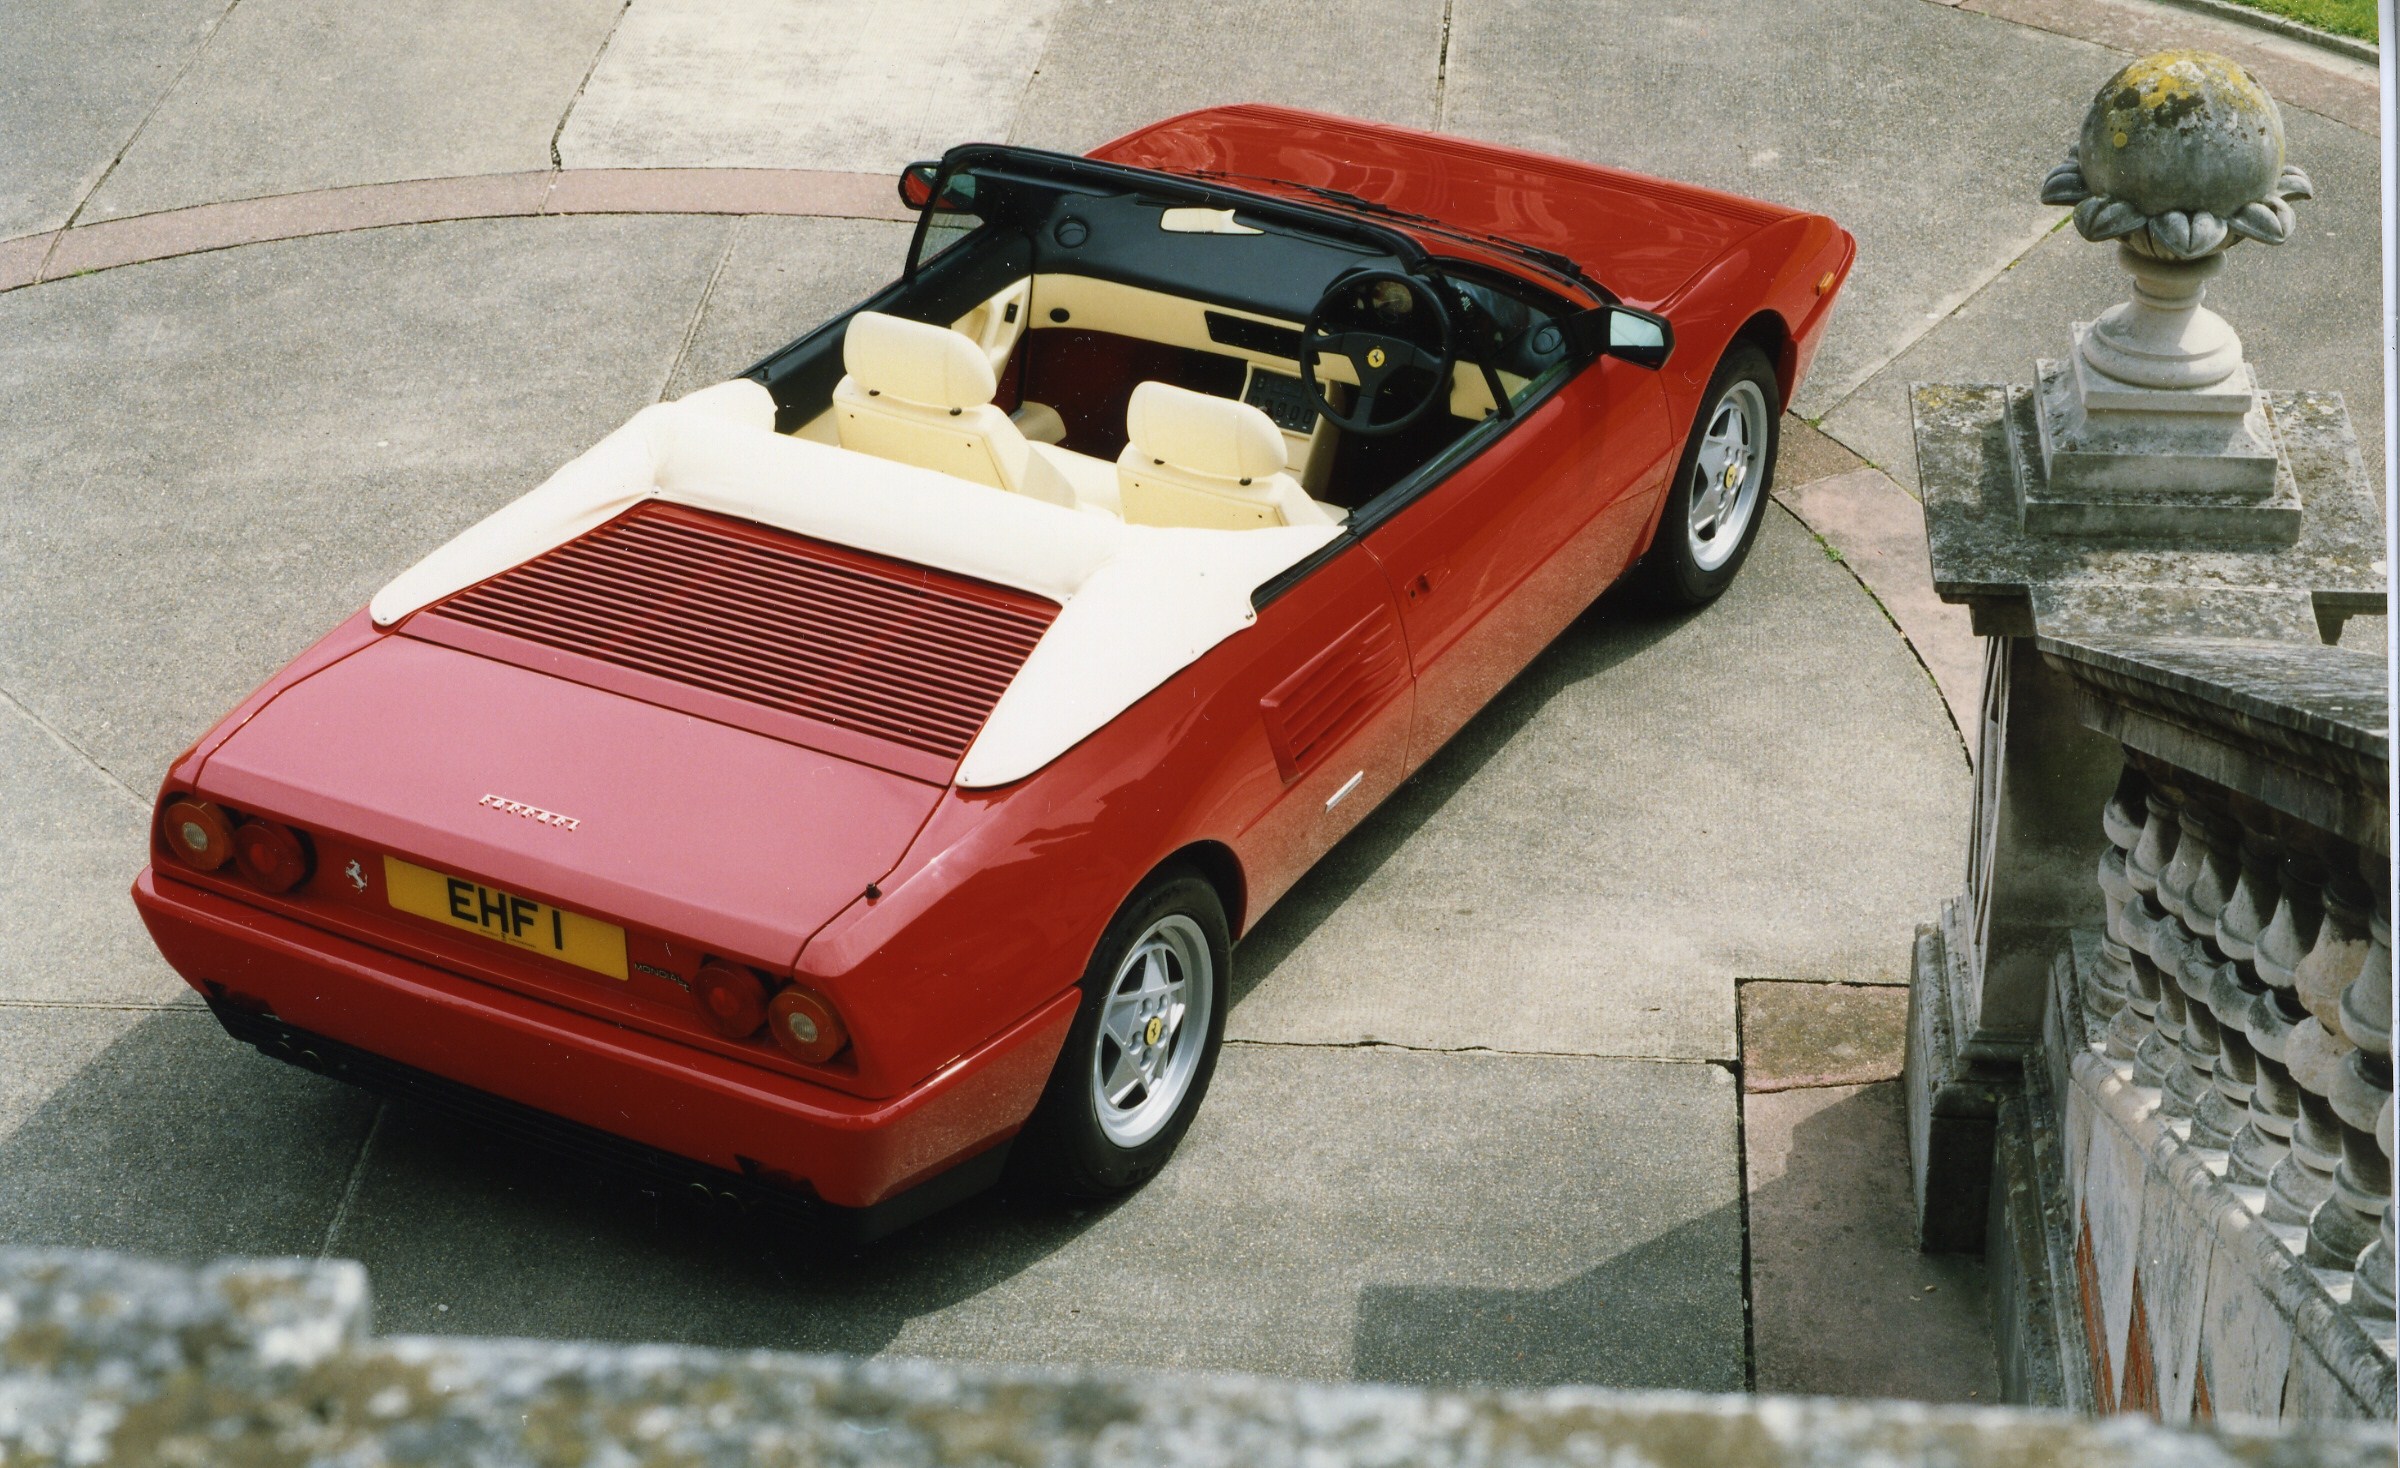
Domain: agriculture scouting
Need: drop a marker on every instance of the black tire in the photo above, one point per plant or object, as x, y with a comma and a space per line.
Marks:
1672, 574
1066, 1147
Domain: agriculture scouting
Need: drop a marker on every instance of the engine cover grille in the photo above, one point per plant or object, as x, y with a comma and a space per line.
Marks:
832, 638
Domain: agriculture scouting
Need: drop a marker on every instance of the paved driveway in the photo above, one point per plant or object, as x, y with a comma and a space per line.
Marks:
1481, 1115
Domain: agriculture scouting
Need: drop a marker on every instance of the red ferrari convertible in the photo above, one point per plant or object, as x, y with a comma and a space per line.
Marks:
849, 782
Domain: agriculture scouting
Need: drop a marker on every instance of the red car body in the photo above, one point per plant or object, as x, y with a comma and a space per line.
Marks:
948, 926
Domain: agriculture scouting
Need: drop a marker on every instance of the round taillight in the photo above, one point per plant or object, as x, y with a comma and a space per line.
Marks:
806, 1026
198, 833
731, 997
270, 855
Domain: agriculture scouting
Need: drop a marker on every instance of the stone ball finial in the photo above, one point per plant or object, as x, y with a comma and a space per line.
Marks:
2181, 157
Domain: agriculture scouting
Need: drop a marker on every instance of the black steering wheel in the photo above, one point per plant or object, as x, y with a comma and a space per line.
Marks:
1378, 320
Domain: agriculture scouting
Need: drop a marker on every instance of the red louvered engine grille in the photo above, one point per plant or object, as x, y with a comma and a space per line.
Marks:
831, 638
1320, 705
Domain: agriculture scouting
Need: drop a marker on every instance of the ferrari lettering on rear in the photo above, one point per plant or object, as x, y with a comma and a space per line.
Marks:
530, 812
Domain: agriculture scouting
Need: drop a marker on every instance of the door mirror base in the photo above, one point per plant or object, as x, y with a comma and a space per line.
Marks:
1639, 337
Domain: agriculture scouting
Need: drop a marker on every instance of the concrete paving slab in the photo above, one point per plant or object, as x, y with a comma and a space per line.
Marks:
215, 459
1842, 1303
308, 94
767, 84
1796, 1036
2306, 310
75, 836
1804, 455
1113, 65
1878, 530
1656, 808
781, 277
2295, 72
1832, 105
69, 104
155, 1134
1334, 1213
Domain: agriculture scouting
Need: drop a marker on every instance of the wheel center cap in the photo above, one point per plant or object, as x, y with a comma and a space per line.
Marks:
1154, 1031
1733, 474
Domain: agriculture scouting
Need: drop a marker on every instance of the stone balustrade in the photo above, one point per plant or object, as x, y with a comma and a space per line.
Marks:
2246, 979
2149, 1067
2192, 1208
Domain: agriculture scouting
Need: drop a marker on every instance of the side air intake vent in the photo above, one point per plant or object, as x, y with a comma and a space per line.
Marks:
828, 638
1310, 713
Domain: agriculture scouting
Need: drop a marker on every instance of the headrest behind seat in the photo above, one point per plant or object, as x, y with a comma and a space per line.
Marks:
1207, 463
916, 362
1201, 434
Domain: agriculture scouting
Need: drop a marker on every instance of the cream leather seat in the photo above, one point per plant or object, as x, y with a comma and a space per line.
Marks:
1208, 463
922, 394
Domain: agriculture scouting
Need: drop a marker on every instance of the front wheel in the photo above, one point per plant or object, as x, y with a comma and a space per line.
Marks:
1718, 499
1143, 1046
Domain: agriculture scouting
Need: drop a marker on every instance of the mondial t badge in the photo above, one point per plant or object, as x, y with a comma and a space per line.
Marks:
530, 812
1154, 1031
1374, 356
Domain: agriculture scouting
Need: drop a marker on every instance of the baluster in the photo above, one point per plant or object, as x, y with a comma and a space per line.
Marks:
2275, 1098
2159, 1004
2304, 1179
2181, 1084
2104, 998
2240, 924
2352, 1218
2371, 1294
2210, 834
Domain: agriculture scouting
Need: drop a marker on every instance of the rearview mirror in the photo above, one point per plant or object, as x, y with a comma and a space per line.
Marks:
1620, 331
917, 182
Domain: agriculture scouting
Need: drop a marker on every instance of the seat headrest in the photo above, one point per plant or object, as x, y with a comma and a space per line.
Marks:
1201, 434
917, 363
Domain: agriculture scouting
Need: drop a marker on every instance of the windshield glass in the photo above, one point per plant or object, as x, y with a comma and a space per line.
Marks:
948, 223
1509, 327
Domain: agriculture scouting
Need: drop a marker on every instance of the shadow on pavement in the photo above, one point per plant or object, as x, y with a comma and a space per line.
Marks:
1622, 1323
168, 1139
172, 1139
1843, 1304
1616, 627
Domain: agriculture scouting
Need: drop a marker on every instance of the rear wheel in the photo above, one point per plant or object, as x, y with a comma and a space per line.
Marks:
1719, 497
1143, 1046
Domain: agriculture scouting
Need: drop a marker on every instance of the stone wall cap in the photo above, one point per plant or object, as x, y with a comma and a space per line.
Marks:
2339, 695
117, 1359
1972, 472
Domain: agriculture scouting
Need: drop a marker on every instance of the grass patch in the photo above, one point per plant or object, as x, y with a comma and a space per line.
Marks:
2342, 17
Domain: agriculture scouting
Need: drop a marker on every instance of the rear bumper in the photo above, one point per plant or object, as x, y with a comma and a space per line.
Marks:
574, 1083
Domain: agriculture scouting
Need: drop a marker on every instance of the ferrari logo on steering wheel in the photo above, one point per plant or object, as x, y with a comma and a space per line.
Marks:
1375, 356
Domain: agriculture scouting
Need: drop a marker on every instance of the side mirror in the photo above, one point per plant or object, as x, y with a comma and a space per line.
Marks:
1620, 331
918, 181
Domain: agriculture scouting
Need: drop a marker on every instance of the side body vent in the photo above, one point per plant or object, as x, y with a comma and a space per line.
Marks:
1309, 714
859, 656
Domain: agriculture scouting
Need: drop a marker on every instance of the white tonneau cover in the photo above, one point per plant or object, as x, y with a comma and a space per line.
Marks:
1138, 603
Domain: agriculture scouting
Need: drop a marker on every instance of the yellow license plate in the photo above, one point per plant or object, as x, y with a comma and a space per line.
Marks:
520, 922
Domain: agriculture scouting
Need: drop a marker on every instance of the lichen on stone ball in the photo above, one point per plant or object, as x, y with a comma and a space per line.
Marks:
2181, 156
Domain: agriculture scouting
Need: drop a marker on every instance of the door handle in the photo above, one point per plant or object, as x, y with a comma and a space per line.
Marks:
1337, 797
